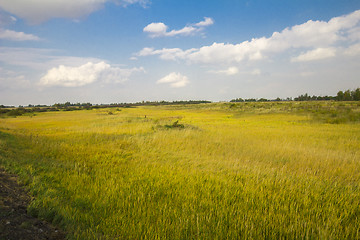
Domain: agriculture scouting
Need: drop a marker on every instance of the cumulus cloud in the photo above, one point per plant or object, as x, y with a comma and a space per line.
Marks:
308, 36
159, 29
316, 54
230, 71
85, 74
176, 80
207, 22
17, 36
156, 29
38, 11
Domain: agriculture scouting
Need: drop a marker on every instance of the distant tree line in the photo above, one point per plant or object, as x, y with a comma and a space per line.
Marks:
156, 103
143, 103
67, 106
347, 95
306, 97
259, 100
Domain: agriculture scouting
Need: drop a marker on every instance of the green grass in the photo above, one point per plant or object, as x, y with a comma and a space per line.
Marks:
247, 170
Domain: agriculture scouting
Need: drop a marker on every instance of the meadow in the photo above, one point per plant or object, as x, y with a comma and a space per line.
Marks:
272, 170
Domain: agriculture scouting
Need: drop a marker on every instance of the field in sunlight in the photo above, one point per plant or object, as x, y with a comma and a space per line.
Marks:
209, 171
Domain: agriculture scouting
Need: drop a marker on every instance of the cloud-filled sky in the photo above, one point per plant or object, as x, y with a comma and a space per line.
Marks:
112, 51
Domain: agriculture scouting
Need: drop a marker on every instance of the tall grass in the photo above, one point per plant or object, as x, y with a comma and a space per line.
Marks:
251, 171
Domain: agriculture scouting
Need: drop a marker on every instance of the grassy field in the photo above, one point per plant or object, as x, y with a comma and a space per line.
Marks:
274, 170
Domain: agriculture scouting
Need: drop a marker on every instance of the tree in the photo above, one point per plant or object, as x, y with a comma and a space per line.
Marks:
356, 94
340, 96
347, 95
237, 100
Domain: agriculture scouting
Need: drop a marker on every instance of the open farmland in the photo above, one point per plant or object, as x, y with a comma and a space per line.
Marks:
274, 170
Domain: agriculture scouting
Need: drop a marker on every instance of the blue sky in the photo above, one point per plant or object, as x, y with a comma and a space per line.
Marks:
106, 51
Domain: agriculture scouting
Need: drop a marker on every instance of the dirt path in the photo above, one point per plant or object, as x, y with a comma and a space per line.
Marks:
15, 223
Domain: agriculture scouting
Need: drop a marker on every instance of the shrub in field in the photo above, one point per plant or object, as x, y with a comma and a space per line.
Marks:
175, 124
16, 112
3, 111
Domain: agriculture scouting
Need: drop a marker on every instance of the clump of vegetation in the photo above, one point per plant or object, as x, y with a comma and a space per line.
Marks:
20, 111
175, 124
16, 112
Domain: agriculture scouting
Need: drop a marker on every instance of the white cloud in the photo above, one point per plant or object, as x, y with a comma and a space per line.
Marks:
230, 71
353, 50
125, 3
307, 36
234, 71
316, 54
156, 29
215, 53
186, 31
354, 34
17, 36
85, 74
159, 29
207, 22
166, 53
5, 20
176, 80
38, 11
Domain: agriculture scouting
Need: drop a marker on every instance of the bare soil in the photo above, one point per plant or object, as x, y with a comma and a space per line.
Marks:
15, 223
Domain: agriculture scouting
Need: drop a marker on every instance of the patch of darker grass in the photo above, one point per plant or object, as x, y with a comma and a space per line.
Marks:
175, 124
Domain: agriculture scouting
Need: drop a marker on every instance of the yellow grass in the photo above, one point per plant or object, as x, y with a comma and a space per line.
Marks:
229, 173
